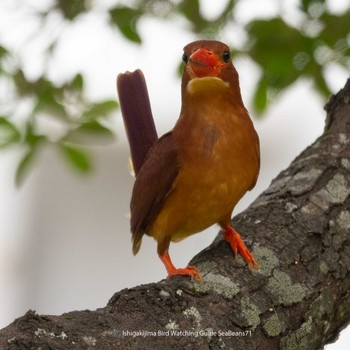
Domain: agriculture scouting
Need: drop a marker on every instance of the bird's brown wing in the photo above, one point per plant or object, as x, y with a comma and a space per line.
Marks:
153, 184
257, 150
137, 115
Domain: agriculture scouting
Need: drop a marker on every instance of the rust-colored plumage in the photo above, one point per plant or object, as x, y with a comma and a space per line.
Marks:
194, 175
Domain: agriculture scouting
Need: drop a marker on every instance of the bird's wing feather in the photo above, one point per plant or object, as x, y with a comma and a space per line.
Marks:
153, 184
257, 150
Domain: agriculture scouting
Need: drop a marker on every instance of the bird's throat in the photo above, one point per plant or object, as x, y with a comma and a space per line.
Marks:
206, 84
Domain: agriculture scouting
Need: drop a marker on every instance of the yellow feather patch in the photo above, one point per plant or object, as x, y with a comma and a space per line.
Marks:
206, 84
131, 167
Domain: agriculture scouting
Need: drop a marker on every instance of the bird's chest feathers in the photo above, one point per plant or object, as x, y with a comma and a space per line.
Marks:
210, 128
213, 140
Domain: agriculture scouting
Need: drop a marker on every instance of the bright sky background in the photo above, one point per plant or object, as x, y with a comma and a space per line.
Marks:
50, 257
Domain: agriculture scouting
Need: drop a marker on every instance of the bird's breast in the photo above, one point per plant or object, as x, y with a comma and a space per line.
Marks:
214, 132
217, 151
218, 163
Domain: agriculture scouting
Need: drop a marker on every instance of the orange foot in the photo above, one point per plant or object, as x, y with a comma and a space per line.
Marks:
191, 271
237, 245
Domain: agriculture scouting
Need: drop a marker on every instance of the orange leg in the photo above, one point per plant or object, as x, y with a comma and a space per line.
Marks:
237, 245
191, 271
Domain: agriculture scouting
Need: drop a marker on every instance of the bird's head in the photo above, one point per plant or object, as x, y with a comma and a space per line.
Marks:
208, 58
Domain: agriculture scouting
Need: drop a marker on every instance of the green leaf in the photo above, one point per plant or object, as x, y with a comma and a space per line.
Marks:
271, 48
260, 98
126, 19
191, 10
77, 158
271, 44
100, 109
9, 134
47, 103
94, 127
77, 83
313, 7
48, 96
3, 52
33, 142
321, 84
49, 99
23, 86
89, 131
336, 27
71, 8
31, 138
24, 166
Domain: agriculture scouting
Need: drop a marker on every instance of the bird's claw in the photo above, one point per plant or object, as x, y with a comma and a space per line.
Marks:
191, 271
237, 245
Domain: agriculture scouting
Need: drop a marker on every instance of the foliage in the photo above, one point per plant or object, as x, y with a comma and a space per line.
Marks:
284, 52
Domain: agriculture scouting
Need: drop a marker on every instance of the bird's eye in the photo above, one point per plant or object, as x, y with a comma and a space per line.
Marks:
184, 58
226, 56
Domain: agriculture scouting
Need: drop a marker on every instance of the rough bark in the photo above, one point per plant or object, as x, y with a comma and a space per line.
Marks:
299, 231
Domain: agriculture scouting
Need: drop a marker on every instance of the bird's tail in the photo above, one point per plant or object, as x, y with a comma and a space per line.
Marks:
137, 115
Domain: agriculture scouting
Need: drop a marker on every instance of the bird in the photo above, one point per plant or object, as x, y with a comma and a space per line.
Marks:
193, 176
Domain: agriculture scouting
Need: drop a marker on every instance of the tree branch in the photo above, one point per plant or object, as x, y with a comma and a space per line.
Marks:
299, 231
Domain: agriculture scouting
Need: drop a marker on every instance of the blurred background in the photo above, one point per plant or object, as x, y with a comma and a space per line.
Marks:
65, 185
